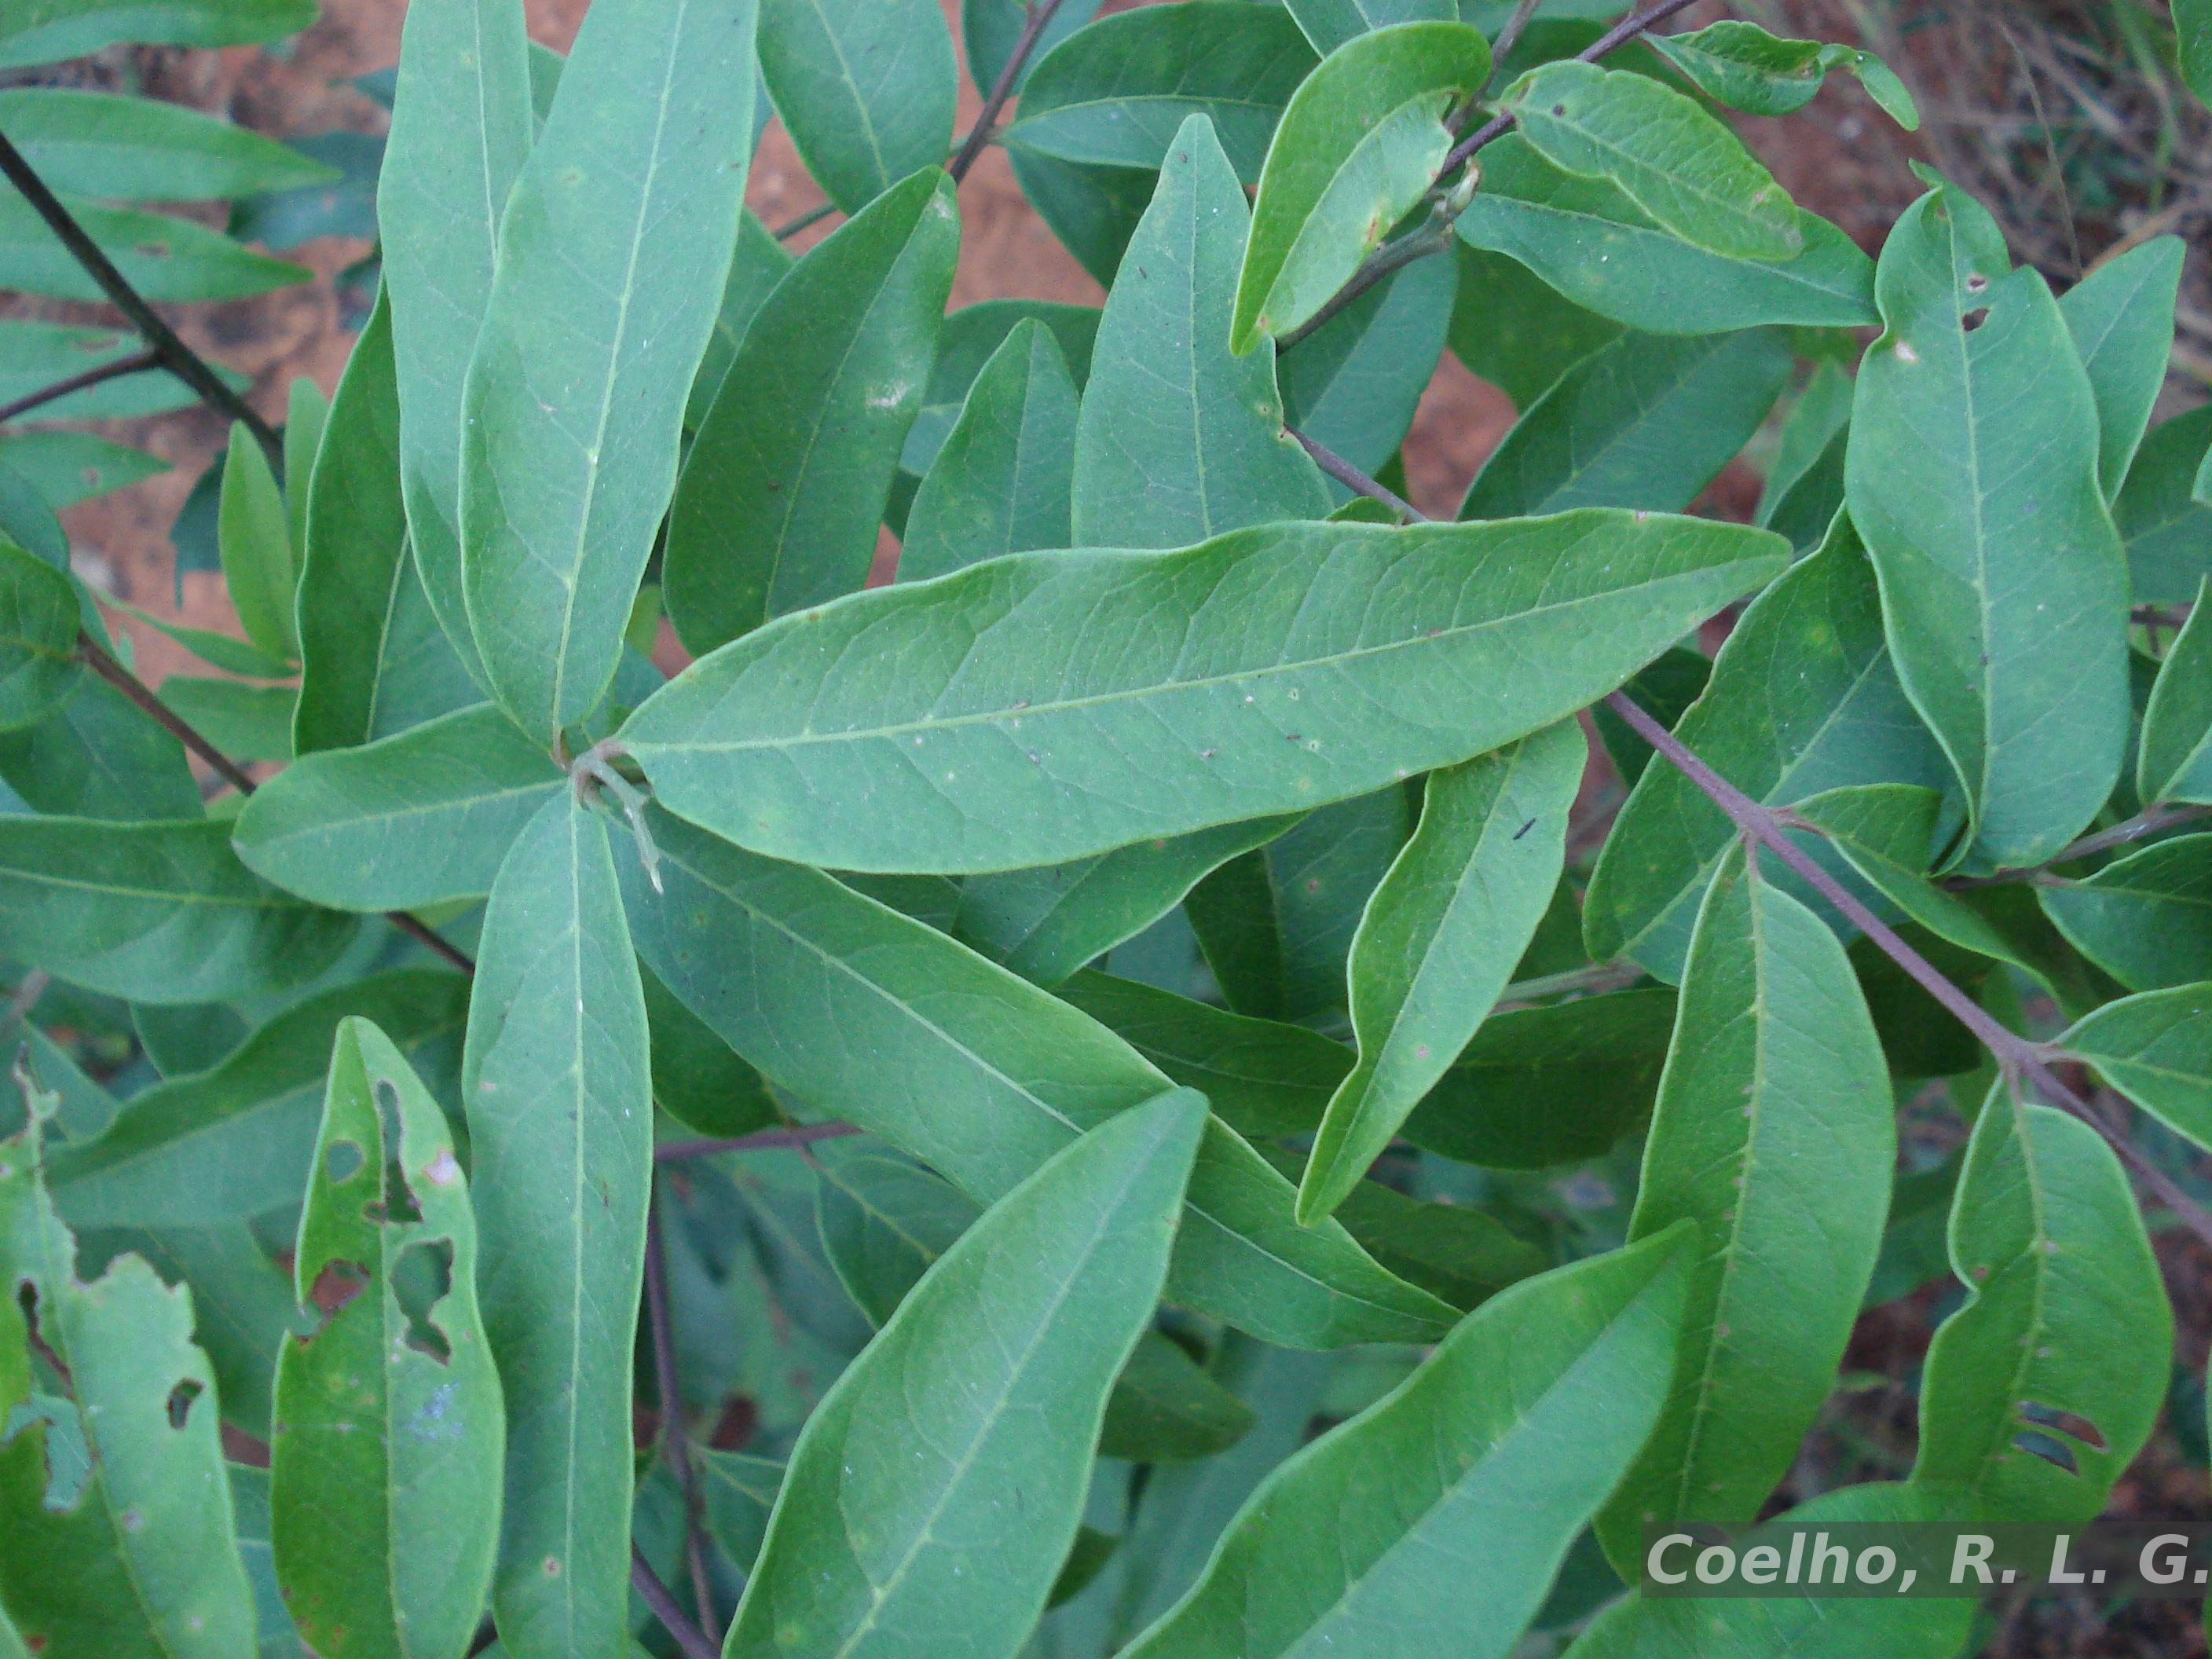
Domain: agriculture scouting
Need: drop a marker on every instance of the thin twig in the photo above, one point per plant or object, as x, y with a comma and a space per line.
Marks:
695, 1642
1033, 28
137, 363
2016, 1056
2148, 822
97, 658
1510, 36
675, 1438
761, 1140
179, 359
813, 216
1353, 479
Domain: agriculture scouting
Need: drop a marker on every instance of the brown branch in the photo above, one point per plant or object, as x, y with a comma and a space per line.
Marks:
790, 1136
179, 359
2016, 1056
1033, 28
695, 1642
136, 363
1356, 481
98, 659
675, 1437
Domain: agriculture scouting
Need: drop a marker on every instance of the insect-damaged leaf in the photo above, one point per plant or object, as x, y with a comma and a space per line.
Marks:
384, 1467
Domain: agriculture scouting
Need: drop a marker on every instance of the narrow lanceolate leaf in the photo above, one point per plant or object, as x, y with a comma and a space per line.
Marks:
2145, 918
866, 91
1117, 91
47, 30
1972, 477
1679, 164
373, 658
1000, 481
1803, 698
785, 487
2121, 317
947, 1468
1359, 144
1440, 938
2156, 1049
2040, 1391
260, 568
556, 1082
140, 1558
1589, 239
611, 255
1329, 23
2174, 761
1743, 66
155, 912
460, 129
411, 820
1497, 1449
1646, 422
1774, 1135
237, 1140
1179, 440
39, 664
1100, 698
384, 1477
780, 960
164, 258
138, 149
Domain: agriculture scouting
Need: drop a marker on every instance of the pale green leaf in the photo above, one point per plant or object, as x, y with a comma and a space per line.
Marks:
556, 1081
1439, 939
43, 31
866, 88
758, 264
138, 149
2121, 317
1159, 693
1353, 385
611, 255
1178, 439
389, 1405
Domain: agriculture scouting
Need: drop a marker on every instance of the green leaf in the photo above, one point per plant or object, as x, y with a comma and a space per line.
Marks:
391, 1405
865, 90
137, 149
556, 1080
2193, 27
65, 468
98, 756
45, 31
140, 1558
2145, 918
1353, 385
161, 912
1331, 24
1166, 1408
2166, 529
947, 1466
884, 1220
1046, 923
1439, 939
237, 1140
39, 664
1461, 1254
2121, 317
1665, 690
306, 414
258, 559
1804, 485
165, 259
1498, 1448
278, 1637
1645, 421
461, 127
245, 722
373, 658
991, 29
1093, 211
758, 264
776, 959
1589, 239
2156, 1049
1803, 698
1515, 330
2175, 760
2039, 1392
1359, 144
1069, 657
785, 483
1118, 92
696, 1080
224, 651
969, 338
574, 410
1178, 439
1972, 479
1774, 1136
405, 822
1682, 167
1000, 481
1743, 66
34, 355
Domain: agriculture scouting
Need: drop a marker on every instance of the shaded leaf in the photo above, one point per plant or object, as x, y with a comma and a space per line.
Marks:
865, 90
2145, 919
165, 259
2167, 530
2121, 317
2156, 1049
1353, 385
39, 664
139, 149
2173, 762
43, 31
